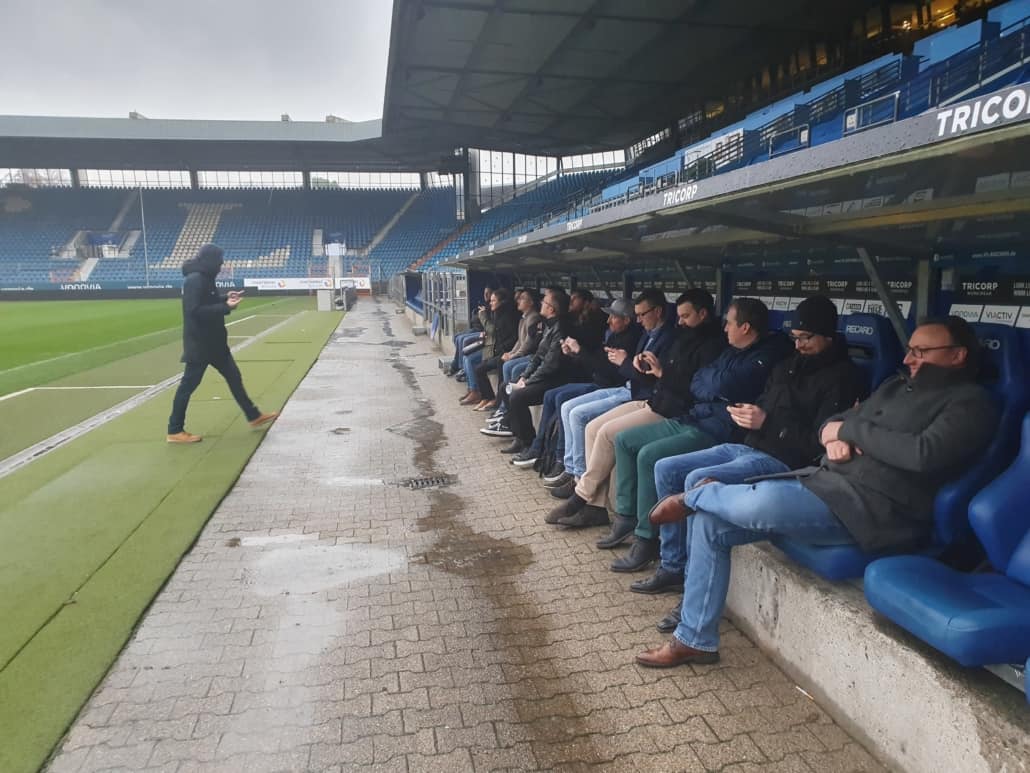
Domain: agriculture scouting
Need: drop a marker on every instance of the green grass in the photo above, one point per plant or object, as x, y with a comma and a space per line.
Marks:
92, 530
47, 340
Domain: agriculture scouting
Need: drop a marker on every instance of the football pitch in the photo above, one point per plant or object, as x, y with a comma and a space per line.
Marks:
93, 525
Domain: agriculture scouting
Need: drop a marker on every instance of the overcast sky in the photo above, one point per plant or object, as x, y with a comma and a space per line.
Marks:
213, 59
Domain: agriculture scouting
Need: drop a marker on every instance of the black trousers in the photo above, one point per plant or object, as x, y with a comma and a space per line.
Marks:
191, 378
518, 410
486, 389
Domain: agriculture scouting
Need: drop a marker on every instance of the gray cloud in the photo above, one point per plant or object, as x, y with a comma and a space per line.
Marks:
213, 59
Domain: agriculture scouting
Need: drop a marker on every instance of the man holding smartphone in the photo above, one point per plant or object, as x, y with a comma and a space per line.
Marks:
205, 341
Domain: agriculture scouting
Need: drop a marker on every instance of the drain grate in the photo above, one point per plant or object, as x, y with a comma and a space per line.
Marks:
431, 481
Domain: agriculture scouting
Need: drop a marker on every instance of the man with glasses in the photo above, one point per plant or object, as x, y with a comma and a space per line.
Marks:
776, 433
883, 463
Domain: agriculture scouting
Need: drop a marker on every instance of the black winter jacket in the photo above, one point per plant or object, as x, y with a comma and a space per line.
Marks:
595, 363
802, 392
549, 364
204, 337
692, 349
915, 434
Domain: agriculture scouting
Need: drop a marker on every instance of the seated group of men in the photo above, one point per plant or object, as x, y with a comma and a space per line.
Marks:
702, 437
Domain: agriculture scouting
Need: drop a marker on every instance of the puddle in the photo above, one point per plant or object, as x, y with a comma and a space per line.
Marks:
306, 569
349, 332
340, 430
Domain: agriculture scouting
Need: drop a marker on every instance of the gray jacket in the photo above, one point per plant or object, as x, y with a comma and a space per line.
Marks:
915, 435
530, 330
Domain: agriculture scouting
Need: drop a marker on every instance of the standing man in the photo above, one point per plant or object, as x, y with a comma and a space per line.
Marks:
205, 341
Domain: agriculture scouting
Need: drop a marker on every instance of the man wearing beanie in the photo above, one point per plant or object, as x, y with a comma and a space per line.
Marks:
778, 432
205, 341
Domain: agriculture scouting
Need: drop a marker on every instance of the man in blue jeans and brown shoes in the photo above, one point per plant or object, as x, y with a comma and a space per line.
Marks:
874, 487
205, 341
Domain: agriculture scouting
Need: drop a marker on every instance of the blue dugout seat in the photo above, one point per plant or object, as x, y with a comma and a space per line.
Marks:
976, 619
1004, 374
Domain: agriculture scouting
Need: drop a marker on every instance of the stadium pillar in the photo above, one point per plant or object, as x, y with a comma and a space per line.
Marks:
305, 180
423, 181
924, 275
194, 180
889, 304
75, 178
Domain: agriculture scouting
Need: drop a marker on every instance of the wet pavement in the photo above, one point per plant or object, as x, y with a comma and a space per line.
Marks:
379, 592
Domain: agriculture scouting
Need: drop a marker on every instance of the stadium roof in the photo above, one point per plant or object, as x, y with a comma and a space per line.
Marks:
123, 143
558, 77
914, 188
551, 77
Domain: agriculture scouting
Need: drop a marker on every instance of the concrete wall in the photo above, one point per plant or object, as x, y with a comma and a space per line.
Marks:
915, 709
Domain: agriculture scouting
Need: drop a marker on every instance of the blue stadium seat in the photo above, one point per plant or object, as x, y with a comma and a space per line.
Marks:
1004, 374
873, 345
976, 619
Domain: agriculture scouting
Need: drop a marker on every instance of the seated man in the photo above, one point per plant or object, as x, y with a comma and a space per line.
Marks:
649, 310
780, 432
592, 362
875, 487
697, 345
548, 368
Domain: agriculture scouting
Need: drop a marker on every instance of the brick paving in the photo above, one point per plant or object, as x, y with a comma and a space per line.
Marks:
330, 619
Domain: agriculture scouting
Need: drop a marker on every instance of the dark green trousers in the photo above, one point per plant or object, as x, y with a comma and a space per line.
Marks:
636, 451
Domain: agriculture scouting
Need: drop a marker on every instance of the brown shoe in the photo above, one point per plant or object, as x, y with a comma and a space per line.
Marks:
669, 510
675, 653
265, 418
472, 398
183, 437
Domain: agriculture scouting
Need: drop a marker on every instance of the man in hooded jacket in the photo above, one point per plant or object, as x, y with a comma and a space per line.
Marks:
205, 341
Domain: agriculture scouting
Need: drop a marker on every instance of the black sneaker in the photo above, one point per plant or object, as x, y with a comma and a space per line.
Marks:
498, 431
554, 474
460, 376
525, 459
560, 481
515, 447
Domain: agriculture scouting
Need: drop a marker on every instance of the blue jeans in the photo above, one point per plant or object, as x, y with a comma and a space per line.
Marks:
576, 414
511, 370
468, 364
461, 340
554, 399
730, 515
727, 463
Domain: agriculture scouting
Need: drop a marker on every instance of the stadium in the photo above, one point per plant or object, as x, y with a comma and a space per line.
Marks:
740, 282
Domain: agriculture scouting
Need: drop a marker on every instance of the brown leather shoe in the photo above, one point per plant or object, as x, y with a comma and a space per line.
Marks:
669, 510
675, 653
265, 418
183, 437
472, 398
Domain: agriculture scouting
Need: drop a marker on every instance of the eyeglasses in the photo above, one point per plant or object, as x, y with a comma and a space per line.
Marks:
919, 352
803, 338
642, 314
547, 304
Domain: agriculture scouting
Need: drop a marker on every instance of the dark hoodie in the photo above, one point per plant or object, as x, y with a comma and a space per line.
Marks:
802, 392
204, 337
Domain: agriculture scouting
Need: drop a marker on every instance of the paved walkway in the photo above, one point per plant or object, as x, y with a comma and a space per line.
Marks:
329, 618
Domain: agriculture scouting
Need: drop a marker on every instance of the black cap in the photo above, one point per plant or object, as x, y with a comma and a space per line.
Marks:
816, 315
